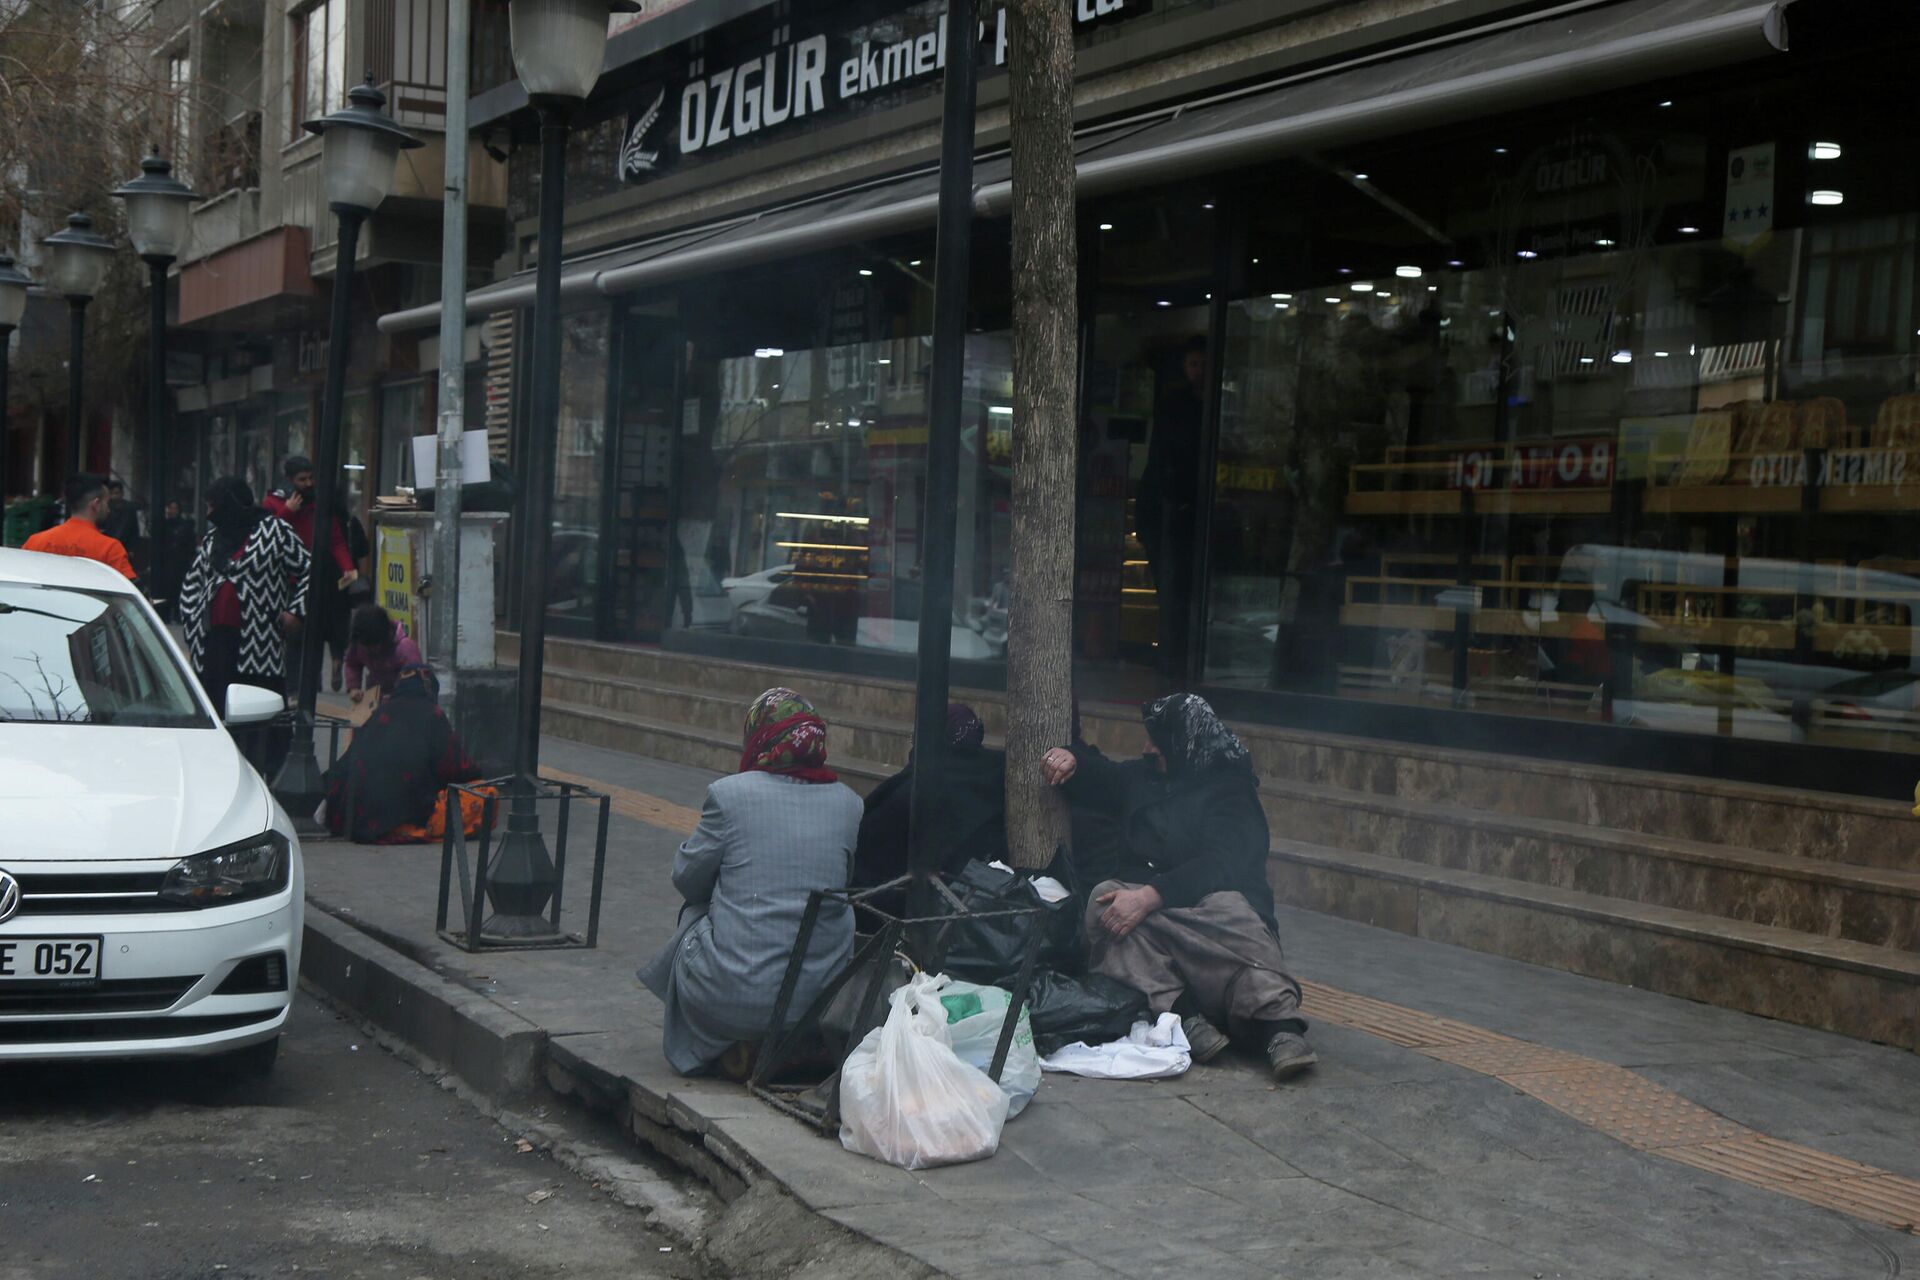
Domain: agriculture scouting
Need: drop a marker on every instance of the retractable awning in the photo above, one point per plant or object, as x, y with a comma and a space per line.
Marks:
1577, 49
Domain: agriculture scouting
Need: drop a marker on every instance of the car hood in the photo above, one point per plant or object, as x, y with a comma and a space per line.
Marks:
99, 793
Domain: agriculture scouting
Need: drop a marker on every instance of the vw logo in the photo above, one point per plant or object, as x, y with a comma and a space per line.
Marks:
9, 897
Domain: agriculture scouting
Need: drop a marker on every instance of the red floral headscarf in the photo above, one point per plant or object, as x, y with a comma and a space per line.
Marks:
784, 735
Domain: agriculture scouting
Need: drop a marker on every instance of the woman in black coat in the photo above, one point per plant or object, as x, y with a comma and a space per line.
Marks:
1182, 912
969, 809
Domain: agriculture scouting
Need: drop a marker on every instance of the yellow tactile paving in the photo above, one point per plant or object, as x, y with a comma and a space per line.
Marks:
1620, 1103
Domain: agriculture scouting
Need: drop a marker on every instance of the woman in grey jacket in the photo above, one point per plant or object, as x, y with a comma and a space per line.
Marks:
768, 836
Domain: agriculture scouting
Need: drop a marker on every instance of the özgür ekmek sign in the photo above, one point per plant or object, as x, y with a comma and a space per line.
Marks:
799, 80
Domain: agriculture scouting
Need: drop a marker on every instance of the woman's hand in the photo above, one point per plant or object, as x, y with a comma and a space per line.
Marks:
289, 622
1126, 908
1057, 766
357, 696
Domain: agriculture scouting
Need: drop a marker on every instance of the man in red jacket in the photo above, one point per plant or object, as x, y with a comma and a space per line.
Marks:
296, 504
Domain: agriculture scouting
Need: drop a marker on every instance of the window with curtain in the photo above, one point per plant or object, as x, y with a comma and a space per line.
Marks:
179, 109
319, 61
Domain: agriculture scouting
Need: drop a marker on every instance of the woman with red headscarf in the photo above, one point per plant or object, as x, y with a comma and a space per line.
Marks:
769, 835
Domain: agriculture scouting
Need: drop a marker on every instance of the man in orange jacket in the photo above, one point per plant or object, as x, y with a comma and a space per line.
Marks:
80, 535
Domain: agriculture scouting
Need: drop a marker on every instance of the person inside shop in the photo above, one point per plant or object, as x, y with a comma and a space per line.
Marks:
969, 808
175, 541
390, 787
246, 588
1167, 502
769, 835
295, 503
81, 534
122, 521
378, 650
1181, 910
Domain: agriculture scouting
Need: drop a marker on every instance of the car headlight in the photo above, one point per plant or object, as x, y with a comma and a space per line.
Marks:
255, 868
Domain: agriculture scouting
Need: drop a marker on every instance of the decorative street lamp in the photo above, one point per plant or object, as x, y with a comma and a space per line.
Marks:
77, 261
359, 145
159, 216
13, 304
558, 46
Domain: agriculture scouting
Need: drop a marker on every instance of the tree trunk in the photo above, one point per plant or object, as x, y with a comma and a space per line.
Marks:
1045, 340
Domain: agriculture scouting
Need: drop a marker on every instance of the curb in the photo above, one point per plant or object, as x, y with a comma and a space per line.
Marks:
502, 1062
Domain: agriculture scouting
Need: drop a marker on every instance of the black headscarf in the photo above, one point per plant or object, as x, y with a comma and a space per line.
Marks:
1188, 733
234, 516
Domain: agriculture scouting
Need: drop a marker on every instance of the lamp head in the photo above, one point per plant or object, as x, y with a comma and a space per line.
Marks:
558, 45
159, 209
358, 146
77, 258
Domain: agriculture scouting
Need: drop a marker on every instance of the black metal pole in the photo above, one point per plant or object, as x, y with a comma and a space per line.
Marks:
299, 786
6, 421
521, 880
156, 418
952, 240
76, 376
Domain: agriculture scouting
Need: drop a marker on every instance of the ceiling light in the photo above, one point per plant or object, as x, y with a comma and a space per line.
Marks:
1603, 243
1527, 253
914, 263
1256, 262
1586, 359
1660, 355
1000, 410
1455, 262
1361, 286
1623, 357
1433, 288
1667, 103
773, 386
865, 271
1334, 300
1207, 204
1824, 151
1346, 271
820, 515
1379, 293
1106, 226
769, 353
883, 360
1359, 177
1407, 273
1499, 151
1163, 303
1281, 297
1827, 197
1689, 231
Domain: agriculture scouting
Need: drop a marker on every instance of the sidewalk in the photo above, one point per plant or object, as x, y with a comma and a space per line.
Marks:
1470, 1115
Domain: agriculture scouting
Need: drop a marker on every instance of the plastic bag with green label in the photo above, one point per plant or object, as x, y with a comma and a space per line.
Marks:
975, 1015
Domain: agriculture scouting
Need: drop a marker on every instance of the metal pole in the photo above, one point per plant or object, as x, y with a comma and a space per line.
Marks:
444, 639
950, 264
156, 417
299, 787
521, 879
76, 376
6, 421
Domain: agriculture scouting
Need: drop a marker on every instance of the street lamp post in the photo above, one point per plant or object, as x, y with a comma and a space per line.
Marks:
77, 261
358, 147
13, 304
159, 210
558, 46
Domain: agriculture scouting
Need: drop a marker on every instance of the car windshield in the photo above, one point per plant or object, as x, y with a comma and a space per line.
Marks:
84, 657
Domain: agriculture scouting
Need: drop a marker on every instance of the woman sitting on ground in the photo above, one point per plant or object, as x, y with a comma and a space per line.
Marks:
378, 650
1182, 911
393, 778
969, 808
769, 835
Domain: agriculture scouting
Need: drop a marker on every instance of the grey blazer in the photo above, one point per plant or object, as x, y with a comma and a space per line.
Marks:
764, 842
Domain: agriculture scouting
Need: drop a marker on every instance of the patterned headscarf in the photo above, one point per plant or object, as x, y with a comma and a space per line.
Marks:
1188, 733
784, 735
963, 726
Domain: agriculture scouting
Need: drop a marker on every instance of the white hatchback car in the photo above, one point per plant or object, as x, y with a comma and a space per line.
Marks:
150, 887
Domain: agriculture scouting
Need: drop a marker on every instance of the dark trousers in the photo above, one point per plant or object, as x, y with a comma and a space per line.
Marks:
264, 745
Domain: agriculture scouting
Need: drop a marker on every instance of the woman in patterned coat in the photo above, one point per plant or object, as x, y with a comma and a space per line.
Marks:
246, 589
768, 836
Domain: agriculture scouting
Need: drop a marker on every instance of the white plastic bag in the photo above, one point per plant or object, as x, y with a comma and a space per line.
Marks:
907, 1098
975, 1015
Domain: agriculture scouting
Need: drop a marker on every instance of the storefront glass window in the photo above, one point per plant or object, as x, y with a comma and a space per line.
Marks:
356, 448
403, 415
573, 579
1604, 414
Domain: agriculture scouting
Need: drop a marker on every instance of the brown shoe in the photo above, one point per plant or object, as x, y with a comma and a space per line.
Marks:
1205, 1040
1288, 1055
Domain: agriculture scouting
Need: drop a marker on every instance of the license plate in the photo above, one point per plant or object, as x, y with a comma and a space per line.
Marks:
62, 960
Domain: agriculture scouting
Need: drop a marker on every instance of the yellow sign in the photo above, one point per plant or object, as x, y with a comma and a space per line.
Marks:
393, 576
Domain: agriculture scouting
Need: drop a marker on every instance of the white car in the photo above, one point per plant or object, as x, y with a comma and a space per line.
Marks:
151, 890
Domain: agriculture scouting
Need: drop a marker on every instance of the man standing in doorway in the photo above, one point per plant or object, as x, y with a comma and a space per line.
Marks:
295, 503
1166, 507
80, 535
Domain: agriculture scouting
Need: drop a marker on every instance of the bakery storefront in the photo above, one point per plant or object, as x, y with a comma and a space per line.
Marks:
1548, 386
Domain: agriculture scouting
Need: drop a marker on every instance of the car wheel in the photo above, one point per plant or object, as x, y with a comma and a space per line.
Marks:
255, 1062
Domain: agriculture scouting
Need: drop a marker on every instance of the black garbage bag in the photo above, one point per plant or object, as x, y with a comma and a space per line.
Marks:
988, 949
1096, 1009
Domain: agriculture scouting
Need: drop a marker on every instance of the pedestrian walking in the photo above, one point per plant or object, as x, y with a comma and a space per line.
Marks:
295, 503
81, 535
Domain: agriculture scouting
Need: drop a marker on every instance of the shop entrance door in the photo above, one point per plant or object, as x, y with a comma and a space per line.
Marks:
638, 582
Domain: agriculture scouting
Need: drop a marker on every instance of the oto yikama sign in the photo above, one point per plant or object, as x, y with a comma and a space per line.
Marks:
393, 585
716, 106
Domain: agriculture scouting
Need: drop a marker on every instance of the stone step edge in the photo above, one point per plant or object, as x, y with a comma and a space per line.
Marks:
1559, 770
1768, 940
1848, 875
870, 770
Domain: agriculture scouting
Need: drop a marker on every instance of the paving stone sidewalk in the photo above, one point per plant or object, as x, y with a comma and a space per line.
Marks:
1384, 1162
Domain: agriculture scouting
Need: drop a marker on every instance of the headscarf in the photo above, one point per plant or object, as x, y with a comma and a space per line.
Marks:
416, 680
964, 728
1188, 733
784, 735
234, 516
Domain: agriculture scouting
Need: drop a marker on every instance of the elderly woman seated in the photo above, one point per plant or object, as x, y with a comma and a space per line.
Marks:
969, 808
769, 835
1183, 912
391, 782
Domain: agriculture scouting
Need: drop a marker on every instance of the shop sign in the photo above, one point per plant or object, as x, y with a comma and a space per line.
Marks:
1563, 464
1749, 216
709, 109
394, 575
1842, 467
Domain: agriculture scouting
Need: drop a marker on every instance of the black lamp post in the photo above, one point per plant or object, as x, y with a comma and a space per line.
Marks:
358, 147
13, 304
159, 217
77, 261
558, 46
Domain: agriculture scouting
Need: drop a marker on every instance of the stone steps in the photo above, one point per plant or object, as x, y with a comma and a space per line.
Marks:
1853, 988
